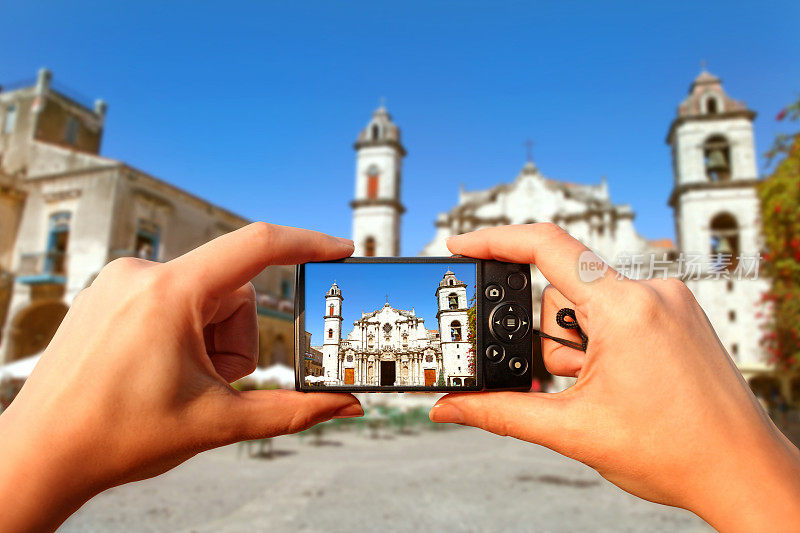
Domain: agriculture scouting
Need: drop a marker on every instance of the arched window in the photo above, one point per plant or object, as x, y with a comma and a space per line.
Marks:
330, 333
717, 158
451, 282
711, 106
373, 181
724, 240
452, 300
405, 339
376, 132
330, 310
455, 330
369, 247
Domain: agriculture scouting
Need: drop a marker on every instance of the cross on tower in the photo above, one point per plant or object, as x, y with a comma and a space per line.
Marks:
529, 150
387, 297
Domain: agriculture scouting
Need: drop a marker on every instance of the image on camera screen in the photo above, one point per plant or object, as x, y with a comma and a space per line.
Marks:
389, 325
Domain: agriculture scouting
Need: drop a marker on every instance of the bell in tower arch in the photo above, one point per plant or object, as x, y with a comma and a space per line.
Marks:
717, 159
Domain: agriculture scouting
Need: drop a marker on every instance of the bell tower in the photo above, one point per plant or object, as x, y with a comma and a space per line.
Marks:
716, 210
332, 333
453, 317
714, 166
377, 210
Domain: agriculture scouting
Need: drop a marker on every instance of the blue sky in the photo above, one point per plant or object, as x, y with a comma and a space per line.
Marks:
255, 105
365, 287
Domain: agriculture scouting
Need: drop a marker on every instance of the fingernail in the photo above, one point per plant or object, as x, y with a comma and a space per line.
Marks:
349, 411
444, 412
348, 242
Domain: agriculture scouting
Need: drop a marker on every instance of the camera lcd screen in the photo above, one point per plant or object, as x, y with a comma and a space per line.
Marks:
389, 325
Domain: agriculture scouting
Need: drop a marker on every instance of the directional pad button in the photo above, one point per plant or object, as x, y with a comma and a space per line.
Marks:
509, 322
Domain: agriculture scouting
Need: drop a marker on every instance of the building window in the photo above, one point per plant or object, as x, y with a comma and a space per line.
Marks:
148, 236
450, 282
717, 158
71, 131
724, 241
729, 285
452, 300
10, 121
711, 106
735, 350
376, 132
57, 242
330, 310
372, 186
732, 316
369, 247
330, 333
455, 330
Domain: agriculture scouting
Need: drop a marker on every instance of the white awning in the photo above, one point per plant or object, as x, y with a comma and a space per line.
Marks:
280, 375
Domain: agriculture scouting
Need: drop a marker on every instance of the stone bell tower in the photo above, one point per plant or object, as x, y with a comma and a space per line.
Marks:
332, 333
716, 211
377, 210
453, 317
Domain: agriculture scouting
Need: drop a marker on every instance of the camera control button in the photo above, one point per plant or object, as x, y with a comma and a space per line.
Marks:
494, 293
518, 365
517, 281
509, 322
495, 353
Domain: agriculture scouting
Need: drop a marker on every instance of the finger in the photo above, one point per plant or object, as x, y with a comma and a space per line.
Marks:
232, 336
268, 413
553, 250
230, 261
559, 359
545, 419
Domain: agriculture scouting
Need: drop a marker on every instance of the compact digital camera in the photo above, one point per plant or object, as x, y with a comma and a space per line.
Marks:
414, 325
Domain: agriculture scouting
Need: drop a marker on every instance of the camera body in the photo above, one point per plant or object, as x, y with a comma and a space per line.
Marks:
419, 324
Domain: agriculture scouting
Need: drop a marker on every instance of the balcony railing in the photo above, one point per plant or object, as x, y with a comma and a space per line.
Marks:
42, 267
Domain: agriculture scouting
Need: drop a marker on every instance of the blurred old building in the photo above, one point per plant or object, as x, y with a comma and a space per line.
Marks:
716, 216
66, 211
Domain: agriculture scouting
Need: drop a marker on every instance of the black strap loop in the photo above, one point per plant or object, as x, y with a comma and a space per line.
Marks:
572, 323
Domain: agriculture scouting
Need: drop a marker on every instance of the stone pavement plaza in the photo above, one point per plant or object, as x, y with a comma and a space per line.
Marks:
456, 479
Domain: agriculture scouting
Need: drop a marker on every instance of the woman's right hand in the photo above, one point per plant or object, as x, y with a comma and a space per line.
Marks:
659, 408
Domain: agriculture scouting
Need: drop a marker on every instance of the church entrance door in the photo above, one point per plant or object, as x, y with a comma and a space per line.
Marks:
349, 376
388, 372
430, 377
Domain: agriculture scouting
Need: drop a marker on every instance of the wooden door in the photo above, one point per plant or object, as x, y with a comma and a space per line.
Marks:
349, 376
430, 377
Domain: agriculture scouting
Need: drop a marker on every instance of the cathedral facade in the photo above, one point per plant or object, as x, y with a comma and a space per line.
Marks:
714, 201
392, 347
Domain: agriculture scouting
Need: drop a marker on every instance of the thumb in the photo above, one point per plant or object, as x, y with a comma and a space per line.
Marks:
539, 418
261, 414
